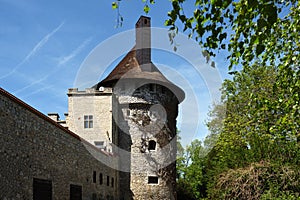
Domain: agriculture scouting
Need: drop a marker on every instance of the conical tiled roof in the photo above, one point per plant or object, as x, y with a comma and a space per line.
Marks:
129, 68
137, 65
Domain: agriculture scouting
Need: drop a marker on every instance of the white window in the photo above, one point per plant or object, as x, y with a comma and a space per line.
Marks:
99, 144
88, 121
128, 112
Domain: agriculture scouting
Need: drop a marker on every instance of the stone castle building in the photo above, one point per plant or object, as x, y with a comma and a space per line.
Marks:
118, 140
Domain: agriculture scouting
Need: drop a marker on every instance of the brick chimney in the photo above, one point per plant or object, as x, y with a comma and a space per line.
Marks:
143, 42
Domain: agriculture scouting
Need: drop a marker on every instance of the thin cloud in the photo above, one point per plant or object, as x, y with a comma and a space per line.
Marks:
61, 62
31, 84
35, 49
37, 91
74, 53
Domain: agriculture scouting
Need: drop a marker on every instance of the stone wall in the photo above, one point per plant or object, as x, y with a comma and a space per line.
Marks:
149, 114
95, 103
34, 146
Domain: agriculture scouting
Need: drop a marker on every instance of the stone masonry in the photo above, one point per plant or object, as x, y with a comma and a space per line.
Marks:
32, 146
96, 103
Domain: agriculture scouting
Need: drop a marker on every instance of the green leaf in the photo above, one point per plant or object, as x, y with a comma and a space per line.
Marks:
146, 9
114, 5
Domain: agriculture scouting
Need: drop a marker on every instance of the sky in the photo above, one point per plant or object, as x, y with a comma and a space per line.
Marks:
47, 47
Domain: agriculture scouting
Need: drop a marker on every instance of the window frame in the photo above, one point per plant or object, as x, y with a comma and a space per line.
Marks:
151, 182
88, 121
100, 144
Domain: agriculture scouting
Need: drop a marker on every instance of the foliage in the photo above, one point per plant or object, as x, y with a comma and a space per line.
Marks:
258, 106
184, 190
247, 29
190, 180
257, 181
253, 147
261, 124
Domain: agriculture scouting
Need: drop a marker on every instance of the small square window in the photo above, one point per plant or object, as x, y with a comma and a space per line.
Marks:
99, 144
152, 145
152, 180
88, 121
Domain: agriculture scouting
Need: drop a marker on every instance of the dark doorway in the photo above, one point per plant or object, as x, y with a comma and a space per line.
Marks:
42, 189
75, 192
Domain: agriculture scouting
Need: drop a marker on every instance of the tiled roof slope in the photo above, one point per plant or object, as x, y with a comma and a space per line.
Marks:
129, 68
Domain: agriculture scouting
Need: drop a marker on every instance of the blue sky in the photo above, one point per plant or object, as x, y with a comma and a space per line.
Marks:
45, 44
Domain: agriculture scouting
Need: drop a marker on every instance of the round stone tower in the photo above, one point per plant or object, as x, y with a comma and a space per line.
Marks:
145, 108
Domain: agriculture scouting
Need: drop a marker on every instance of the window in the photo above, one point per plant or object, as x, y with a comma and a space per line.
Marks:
99, 144
88, 121
152, 145
107, 180
94, 177
128, 112
100, 179
112, 182
152, 180
75, 192
42, 189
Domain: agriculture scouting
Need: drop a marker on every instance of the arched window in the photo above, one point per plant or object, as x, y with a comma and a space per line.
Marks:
152, 145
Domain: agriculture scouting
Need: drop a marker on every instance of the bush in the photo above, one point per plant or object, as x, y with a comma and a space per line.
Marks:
258, 181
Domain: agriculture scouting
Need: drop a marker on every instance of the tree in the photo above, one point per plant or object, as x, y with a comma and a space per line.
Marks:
191, 182
249, 29
258, 140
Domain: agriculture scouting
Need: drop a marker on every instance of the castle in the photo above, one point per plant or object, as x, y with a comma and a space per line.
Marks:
118, 140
